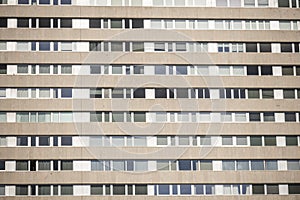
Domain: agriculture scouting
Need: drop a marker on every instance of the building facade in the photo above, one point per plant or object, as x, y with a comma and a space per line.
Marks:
149, 99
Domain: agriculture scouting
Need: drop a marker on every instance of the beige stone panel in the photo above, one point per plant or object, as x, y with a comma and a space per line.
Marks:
139, 197
148, 35
150, 105
150, 129
150, 58
148, 153
148, 12
148, 81
175, 177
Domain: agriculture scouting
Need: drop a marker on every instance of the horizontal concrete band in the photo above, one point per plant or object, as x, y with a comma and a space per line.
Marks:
138, 197
153, 177
150, 129
21, 34
149, 81
148, 12
145, 153
150, 57
179, 105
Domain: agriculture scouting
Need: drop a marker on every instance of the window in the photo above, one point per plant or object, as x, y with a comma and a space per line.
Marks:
66, 165
283, 3
291, 141
159, 46
206, 165
251, 47
44, 69
66, 69
95, 23
22, 141
162, 165
185, 189
242, 165
290, 117
163, 189
22, 93
44, 22
241, 140
286, 47
289, 94
2, 165
21, 190
270, 140
44, 93
271, 165
66, 190
252, 70
267, 93
66, 93
141, 190
272, 189
97, 165
180, 46
227, 140
294, 189
265, 47
266, 70
137, 46
269, 117
44, 190
44, 165
118, 189
65, 23
3, 69
23, 23
228, 165
66, 141
137, 23
44, 46
96, 190
253, 93
257, 165
21, 165
293, 165
44, 141
184, 165
255, 141
258, 189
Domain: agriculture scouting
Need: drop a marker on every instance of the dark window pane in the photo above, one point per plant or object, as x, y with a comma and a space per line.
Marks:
23, 1
252, 70
3, 69
185, 189
65, 2
182, 93
272, 189
66, 93
160, 93
270, 140
44, 46
255, 141
287, 70
116, 23
96, 190
141, 190
267, 93
44, 1
294, 189
3, 22
251, 47
137, 23
66, 165
254, 117
66, 190
253, 93
66, 140
257, 165
163, 189
21, 190
44, 23
184, 164
22, 141
23, 23
95, 23
269, 117
286, 47
283, 3
290, 117
2, 165
265, 47
266, 70
44, 141
66, 23
118, 189
291, 141
258, 189
139, 93
288, 94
